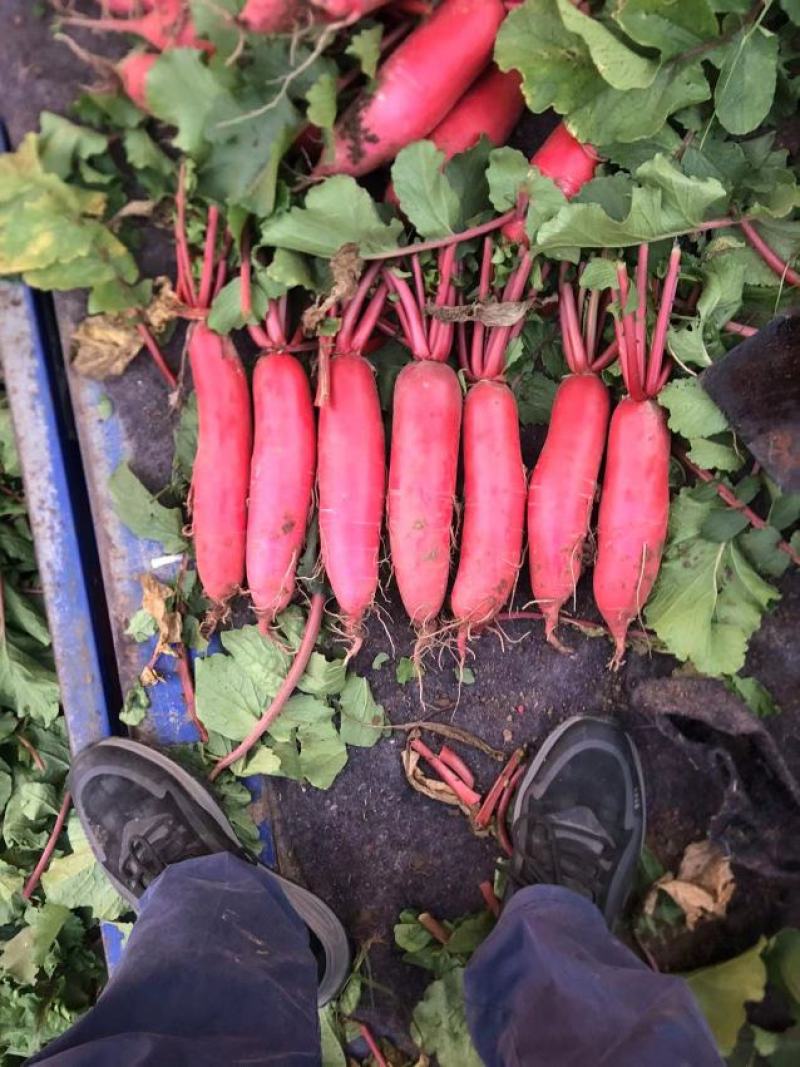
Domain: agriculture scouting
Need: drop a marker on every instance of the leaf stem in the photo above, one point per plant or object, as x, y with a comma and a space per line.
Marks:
443, 242
770, 257
288, 686
49, 848
187, 685
729, 497
372, 1045
434, 927
152, 347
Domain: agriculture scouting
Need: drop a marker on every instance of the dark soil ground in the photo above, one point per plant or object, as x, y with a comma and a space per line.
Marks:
370, 845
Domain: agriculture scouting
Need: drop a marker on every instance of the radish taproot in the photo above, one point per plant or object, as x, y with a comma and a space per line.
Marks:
416, 87
426, 425
351, 474
495, 487
564, 480
634, 505
282, 471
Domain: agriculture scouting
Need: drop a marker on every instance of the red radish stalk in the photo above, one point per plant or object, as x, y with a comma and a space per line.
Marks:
634, 506
464, 794
490, 899
492, 798
44, 860
166, 24
770, 257
351, 473
221, 470
424, 453
416, 87
282, 470
494, 476
567, 162
452, 760
564, 481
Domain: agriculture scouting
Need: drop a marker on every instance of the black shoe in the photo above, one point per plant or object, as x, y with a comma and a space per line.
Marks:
142, 812
579, 815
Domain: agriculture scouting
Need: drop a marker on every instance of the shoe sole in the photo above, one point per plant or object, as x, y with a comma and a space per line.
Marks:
314, 912
547, 747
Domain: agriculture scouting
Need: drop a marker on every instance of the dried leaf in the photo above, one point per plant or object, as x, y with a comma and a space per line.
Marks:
154, 601
489, 312
703, 886
104, 345
346, 267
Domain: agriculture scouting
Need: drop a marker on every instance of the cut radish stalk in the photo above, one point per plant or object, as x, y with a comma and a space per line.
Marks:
465, 795
492, 798
456, 763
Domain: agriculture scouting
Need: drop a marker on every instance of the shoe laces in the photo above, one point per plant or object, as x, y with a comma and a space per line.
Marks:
150, 845
568, 848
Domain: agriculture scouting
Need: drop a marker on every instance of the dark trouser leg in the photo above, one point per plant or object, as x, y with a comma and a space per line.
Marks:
217, 970
551, 987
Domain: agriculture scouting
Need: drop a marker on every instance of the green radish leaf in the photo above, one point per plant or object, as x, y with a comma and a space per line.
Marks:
136, 705
379, 660
747, 78
761, 547
336, 212
724, 989
714, 455
323, 677
142, 626
665, 203
365, 46
754, 694
27, 952
440, 1024
361, 716
546, 200
63, 144
138, 509
599, 274
182, 91
186, 439
321, 99
792, 9
506, 174
226, 310
672, 28
535, 394
708, 599
426, 197
78, 881
617, 64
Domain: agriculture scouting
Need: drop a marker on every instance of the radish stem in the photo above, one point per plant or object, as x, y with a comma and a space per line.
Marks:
152, 347
49, 848
434, 927
490, 801
463, 793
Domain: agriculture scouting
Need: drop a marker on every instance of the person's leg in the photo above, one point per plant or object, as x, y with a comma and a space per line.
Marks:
551, 985
219, 967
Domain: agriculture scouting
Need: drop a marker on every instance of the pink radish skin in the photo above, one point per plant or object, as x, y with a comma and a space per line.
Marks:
417, 86
222, 465
351, 483
422, 483
133, 72
491, 107
281, 16
569, 163
281, 481
634, 511
494, 507
562, 492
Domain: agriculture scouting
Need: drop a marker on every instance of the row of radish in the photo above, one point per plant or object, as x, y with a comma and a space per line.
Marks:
251, 499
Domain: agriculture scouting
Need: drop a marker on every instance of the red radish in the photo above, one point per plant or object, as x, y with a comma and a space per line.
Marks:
416, 87
167, 24
567, 162
564, 480
426, 425
494, 476
564, 159
351, 473
221, 467
133, 72
221, 470
130, 8
281, 473
634, 506
492, 107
